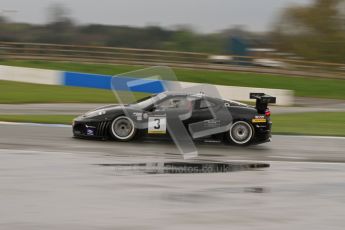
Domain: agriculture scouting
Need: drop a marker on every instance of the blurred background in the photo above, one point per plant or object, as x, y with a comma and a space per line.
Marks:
295, 45
291, 29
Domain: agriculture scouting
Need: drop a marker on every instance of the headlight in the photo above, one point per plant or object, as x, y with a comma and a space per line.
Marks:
95, 113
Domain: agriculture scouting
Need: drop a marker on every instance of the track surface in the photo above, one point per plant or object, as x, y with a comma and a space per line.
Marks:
49, 180
287, 148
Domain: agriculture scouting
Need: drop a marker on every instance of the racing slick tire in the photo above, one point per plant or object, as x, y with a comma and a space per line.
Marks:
123, 129
240, 133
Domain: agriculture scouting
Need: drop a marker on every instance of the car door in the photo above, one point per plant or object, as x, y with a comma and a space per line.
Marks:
172, 110
202, 110
208, 118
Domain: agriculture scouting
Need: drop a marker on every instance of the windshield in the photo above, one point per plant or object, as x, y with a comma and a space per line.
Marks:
150, 100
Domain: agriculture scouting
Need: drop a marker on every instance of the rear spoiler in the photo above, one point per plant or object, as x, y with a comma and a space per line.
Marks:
262, 101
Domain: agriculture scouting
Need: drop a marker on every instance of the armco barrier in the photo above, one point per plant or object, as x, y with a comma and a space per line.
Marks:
52, 77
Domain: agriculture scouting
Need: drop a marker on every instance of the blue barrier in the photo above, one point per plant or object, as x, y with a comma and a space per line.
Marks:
109, 82
86, 80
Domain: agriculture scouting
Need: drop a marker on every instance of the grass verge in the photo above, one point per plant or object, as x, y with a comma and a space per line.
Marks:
303, 87
17, 93
45, 119
324, 124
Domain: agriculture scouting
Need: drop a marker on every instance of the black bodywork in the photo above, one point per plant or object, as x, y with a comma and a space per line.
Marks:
97, 123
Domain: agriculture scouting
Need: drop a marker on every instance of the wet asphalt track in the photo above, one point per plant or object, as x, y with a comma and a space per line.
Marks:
49, 180
282, 148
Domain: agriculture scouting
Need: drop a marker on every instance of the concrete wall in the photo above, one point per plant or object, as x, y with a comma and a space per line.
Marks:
52, 77
284, 97
30, 75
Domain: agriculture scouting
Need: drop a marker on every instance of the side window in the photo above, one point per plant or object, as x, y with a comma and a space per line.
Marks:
205, 104
174, 103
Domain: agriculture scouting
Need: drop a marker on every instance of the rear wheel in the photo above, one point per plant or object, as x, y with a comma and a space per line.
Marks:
123, 129
240, 133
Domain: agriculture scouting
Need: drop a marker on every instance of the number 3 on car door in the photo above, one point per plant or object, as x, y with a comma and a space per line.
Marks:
157, 125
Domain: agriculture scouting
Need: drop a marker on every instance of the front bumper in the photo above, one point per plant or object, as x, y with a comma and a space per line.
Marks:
91, 129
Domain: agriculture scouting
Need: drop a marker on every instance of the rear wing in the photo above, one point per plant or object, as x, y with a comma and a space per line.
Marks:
262, 101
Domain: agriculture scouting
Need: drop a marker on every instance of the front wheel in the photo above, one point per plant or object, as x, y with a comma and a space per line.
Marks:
240, 133
123, 129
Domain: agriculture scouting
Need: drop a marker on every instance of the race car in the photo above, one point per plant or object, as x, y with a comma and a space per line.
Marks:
170, 114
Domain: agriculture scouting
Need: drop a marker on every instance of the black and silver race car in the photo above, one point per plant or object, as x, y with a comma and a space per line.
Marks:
175, 114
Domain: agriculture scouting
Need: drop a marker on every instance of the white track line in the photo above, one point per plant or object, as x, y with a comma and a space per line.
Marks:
288, 157
34, 124
308, 136
287, 162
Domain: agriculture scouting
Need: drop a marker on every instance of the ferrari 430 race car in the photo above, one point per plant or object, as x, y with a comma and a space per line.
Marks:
174, 114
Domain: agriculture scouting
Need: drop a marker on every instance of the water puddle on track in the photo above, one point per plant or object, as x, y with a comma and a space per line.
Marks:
180, 167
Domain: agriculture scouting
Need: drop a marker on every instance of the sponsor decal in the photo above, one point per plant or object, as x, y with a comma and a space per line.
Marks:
139, 116
259, 119
157, 125
90, 130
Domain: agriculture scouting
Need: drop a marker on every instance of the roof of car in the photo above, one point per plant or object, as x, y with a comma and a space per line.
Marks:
174, 93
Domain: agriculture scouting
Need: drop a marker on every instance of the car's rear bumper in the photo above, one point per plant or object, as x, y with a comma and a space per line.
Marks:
262, 133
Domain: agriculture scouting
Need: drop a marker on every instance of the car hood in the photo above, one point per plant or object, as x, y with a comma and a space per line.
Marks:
102, 110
